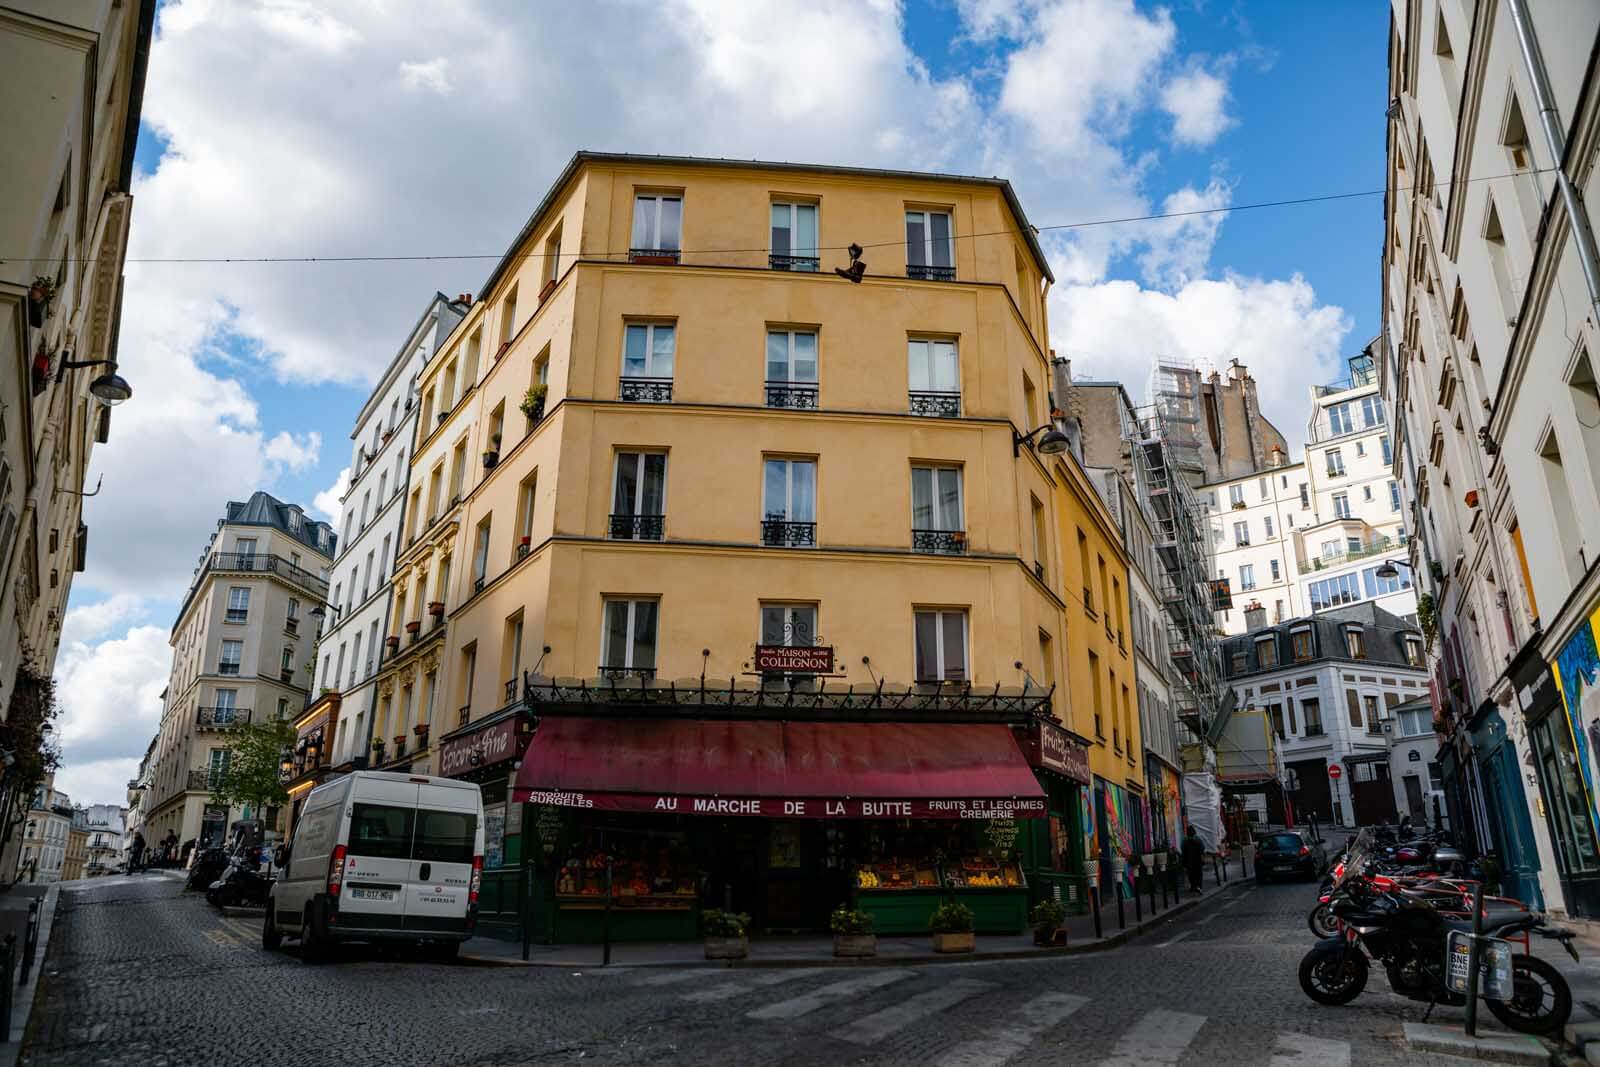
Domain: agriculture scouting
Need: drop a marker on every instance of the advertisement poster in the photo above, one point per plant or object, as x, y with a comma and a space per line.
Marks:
1577, 671
494, 834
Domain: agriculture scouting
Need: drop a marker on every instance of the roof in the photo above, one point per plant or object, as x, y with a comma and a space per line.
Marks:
264, 509
584, 158
397, 364
1385, 641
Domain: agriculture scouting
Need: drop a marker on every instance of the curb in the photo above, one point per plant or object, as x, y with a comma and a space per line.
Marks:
1109, 941
1493, 1047
23, 996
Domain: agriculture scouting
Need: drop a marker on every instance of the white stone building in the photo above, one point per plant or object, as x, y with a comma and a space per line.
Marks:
1491, 299
370, 524
45, 834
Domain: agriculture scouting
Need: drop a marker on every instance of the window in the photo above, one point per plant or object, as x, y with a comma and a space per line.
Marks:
1040, 536
552, 257
1341, 505
480, 556
1335, 463
1374, 724
227, 704
794, 237
936, 524
629, 639
232, 652
791, 369
941, 646
217, 766
1394, 496
1415, 723
789, 502
238, 604
647, 357
1274, 565
1267, 655
1083, 568
1388, 452
1355, 642
790, 625
1241, 534
1376, 586
1266, 523
511, 654
1311, 711
1560, 492
638, 509
930, 247
1366, 493
291, 619
935, 383
508, 330
525, 494
1414, 651
1300, 643
1247, 576
1305, 497
657, 221
1353, 708
1261, 488
1236, 495
458, 469
1361, 449
1340, 420
1240, 663
1332, 592
246, 547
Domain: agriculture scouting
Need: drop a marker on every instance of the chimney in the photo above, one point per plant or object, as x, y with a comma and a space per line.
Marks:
1061, 390
1277, 457
1236, 371
1255, 617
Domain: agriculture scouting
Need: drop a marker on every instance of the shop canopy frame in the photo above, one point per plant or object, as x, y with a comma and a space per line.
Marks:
947, 702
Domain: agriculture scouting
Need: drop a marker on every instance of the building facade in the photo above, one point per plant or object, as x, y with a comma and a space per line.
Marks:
1414, 767
106, 826
77, 853
74, 75
241, 653
46, 834
1329, 684
1487, 367
666, 462
354, 622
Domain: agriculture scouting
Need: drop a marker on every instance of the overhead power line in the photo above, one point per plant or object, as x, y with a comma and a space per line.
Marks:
592, 254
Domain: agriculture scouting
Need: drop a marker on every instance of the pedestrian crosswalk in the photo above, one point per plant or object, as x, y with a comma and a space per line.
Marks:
874, 1008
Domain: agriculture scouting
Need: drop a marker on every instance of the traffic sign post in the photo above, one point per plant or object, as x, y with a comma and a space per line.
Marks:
1334, 771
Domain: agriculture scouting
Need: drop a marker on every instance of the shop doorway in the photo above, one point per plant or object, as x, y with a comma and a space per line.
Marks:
1314, 797
1371, 793
1414, 804
1567, 805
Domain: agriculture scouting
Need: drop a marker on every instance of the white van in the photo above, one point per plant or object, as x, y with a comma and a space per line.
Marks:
380, 857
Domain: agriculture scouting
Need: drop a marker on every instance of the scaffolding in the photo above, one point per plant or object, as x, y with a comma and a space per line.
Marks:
1183, 547
1175, 394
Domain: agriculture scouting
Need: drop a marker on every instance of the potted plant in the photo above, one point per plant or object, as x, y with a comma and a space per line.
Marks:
727, 934
400, 745
393, 641
852, 932
377, 747
386, 435
435, 607
414, 626
951, 923
41, 296
1046, 918
421, 730
958, 537
533, 401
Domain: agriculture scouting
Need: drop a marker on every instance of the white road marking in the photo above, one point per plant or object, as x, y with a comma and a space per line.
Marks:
870, 1029
1156, 1040
737, 987
795, 1007
1303, 1050
674, 977
1174, 939
1008, 1040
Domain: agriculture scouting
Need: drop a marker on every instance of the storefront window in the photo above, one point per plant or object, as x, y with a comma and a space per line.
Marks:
1565, 795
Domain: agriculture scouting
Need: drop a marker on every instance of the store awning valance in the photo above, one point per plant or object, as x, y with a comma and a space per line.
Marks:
780, 769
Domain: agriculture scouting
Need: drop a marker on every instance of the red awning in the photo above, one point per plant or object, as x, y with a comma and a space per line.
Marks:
780, 769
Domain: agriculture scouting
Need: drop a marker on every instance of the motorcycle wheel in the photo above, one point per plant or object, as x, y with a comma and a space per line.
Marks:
1333, 975
1540, 1002
1322, 922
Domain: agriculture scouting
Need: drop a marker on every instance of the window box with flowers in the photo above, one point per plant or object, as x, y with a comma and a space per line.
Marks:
533, 402
393, 641
414, 626
491, 458
421, 730
436, 607
41, 300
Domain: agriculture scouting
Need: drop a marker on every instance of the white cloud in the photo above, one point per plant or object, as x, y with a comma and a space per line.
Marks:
433, 74
1198, 103
1179, 248
297, 455
89, 621
328, 502
110, 697
1275, 328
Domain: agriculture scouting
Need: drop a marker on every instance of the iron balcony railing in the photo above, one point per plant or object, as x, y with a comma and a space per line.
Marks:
201, 781
808, 263
227, 668
653, 255
799, 396
781, 533
256, 563
621, 673
928, 272
645, 390
221, 718
1366, 551
637, 527
511, 690
236, 615
937, 404
939, 542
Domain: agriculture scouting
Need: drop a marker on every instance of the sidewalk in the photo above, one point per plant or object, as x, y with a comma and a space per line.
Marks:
817, 950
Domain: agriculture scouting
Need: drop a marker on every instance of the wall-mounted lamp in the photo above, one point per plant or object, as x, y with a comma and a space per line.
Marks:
110, 388
1053, 443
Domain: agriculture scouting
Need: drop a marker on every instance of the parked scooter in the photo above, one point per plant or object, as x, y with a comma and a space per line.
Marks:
207, 867
245, 882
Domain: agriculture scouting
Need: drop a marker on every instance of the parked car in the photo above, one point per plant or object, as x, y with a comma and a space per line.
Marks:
1290, 852
380, 857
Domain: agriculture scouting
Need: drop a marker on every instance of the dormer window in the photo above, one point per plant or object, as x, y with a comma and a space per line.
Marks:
1355, 642
1266, 652
1301, 644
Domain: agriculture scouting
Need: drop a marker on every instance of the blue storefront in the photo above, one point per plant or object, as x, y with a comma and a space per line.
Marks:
1505, 807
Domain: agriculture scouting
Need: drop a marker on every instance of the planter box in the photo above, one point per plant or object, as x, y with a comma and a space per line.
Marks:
490, 459
1056, 938
727, 948
855, 945
950, 943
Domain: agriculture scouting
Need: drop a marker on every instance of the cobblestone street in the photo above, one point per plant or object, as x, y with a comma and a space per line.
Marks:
139, 973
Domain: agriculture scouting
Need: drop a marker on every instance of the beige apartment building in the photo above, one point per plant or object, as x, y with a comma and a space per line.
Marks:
241, 652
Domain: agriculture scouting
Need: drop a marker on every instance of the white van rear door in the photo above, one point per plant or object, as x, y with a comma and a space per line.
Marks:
378, 851
442, 852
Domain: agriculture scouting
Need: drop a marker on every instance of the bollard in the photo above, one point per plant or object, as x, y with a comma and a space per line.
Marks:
605, 923
1122, 919
1094, 898
1152, 883
1163, 879
1474, 958
527, 910
1138, 901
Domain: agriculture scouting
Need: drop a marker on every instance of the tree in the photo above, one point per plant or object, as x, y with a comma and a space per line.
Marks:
250, 775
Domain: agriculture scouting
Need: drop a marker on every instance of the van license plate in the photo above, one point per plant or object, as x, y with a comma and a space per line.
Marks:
371, 894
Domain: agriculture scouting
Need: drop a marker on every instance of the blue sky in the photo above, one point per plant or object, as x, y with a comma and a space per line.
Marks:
331, 129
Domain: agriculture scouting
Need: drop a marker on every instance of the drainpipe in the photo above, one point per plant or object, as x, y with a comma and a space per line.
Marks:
1555, 140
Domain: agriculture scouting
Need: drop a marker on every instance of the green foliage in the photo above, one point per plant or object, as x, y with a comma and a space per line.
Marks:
848, 920
715, 922
251, 774
533, 400
951, 917
1426, 618
1048, 915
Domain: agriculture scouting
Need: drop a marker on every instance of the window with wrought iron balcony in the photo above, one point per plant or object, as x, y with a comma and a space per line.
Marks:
789, 498
639, 498
647, 357
794, 237
792, 369
935, 383
628, 645
936, 525
930, 246
657, 222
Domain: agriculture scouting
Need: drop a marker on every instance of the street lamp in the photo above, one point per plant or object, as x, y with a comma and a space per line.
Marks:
1053, 443
321, 611
1387, 570
110, 388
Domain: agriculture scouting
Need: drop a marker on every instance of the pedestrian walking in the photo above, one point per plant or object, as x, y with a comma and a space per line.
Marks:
136, 853
1194, 858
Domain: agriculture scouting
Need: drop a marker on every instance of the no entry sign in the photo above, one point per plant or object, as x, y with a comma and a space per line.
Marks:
1334, 770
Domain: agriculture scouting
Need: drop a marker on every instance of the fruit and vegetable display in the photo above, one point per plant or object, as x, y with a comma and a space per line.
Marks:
972, 872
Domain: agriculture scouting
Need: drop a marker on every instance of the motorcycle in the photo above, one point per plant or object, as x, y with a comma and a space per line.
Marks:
244, 883
1406, 933
209, 863
1446, 873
